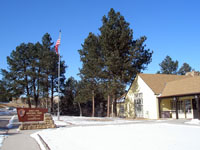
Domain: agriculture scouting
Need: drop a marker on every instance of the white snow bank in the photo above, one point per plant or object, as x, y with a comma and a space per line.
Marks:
70, 120
60, 123
10, 124
36, 137
194, 121
127, 137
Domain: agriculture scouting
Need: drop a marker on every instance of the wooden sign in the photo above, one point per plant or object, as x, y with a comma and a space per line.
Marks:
31, 114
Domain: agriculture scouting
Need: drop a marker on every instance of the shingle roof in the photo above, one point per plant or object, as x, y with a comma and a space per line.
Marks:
182, 87
157, 82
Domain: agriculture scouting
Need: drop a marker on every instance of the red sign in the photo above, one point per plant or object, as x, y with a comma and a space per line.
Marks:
31, 114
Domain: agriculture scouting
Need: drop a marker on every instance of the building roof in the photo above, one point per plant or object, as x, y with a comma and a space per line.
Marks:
182, 87
121, 99
157, 82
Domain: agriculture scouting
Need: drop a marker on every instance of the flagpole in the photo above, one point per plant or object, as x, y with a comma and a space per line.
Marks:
58, 113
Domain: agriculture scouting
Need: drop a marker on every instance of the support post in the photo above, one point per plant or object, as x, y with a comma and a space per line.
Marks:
197, 100
159, 107
176, 102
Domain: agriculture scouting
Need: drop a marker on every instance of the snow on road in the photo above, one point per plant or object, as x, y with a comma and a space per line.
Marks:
138, 136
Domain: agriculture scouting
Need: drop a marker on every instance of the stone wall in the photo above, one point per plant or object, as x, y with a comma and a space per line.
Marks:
47, 123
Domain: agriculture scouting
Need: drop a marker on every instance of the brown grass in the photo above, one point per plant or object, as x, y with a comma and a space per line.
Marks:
13, 105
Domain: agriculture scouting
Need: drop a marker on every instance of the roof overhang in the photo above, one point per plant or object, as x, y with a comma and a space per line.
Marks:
179, 95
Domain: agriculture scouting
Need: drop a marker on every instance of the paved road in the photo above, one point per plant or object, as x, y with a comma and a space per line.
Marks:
4, 121
19, 140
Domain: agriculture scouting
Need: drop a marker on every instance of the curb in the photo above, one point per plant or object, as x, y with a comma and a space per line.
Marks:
44, 143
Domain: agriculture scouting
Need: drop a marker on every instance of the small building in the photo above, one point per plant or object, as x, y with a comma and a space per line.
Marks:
155, 96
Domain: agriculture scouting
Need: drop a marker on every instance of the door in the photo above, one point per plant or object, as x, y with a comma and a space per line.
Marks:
194, 106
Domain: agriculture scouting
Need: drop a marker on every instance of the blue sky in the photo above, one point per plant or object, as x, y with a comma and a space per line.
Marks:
172, 27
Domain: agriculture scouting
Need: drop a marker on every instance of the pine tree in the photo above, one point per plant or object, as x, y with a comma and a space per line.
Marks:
184, 69
19, 70
168, 66
68, 106
83, 94
5, 92
123, 57
33, 71
92, 65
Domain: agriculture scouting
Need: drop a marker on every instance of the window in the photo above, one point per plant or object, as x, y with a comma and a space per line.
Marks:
184, 105
138, 103
173, 105
181, 106
188, 107
121, 109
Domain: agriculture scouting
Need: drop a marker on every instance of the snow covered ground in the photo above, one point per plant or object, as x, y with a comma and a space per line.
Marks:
82, 133
70, 120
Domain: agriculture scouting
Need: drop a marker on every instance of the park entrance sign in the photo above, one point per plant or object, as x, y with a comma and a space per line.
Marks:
35, 118
31, 114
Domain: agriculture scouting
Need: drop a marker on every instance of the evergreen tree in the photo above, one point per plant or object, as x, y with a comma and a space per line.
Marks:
83, 94
184, 69
19, 70
49, 64
123, 57
67, 105
33, 71
90, 55
5, 93
168, 66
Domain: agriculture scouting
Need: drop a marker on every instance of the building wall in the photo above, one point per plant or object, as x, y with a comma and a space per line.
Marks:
150, 106
166, 107
150, 102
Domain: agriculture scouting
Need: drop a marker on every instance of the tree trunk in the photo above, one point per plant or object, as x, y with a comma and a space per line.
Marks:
114, 106
38, 86
34, 92
36, 101
27, 89
108, 106
28, 95
29, 102
79, 105
93, 104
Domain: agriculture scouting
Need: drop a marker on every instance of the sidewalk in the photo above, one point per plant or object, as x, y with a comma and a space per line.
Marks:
20, 140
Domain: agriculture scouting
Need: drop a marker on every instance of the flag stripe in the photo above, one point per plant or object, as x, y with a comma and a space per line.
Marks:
56, 46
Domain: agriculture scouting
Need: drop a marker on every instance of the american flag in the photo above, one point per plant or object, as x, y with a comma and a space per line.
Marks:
56, 46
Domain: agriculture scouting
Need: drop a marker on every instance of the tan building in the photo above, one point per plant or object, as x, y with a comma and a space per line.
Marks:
156, 96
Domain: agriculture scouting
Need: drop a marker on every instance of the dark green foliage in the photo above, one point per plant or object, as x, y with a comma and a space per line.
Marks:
68, 105
83, 93
33, 71
123, 57
112, 59
184, 69
5, 95
168, 66
90, 72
